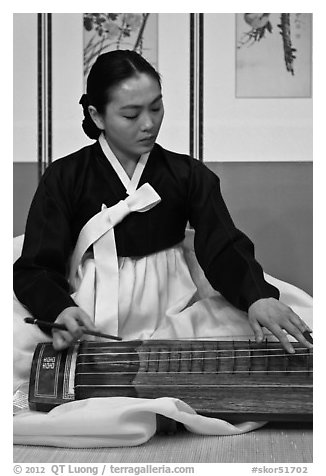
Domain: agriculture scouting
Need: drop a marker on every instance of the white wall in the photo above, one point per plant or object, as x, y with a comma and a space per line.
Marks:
67, 87
25, 87
173, 64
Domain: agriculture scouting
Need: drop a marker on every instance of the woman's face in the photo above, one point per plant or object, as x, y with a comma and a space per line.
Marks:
133, 117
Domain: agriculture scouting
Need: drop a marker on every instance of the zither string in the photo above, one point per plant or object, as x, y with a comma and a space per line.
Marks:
267, 353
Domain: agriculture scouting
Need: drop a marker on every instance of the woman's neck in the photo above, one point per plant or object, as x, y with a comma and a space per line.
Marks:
128, 162
128, 166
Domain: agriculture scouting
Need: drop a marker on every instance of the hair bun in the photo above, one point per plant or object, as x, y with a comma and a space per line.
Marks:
88, 125
84, 101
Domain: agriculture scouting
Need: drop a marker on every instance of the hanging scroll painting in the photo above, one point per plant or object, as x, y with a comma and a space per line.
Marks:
273, 55
103, 32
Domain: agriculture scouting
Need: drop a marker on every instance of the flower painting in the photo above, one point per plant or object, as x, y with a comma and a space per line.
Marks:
112, 31
274, 54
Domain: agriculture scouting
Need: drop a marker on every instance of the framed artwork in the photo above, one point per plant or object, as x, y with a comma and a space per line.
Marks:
103, 32
273, 55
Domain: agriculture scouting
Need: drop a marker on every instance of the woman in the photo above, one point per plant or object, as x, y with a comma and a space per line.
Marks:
85, 206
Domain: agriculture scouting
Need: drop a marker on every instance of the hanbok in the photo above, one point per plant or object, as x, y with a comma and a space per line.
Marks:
161, 295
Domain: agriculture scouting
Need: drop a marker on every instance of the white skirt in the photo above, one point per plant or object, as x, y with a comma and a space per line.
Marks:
166, 296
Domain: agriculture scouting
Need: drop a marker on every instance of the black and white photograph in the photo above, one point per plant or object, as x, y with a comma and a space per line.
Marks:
162, 242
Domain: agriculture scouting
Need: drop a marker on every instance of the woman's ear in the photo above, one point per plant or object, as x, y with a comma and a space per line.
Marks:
97, 118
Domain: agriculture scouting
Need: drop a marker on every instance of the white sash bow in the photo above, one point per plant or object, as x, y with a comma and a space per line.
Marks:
99, 232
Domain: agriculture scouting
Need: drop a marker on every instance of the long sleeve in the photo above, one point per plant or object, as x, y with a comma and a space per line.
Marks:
40, 273
225, 253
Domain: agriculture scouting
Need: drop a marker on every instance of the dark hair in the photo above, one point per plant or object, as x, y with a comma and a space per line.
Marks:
108, 71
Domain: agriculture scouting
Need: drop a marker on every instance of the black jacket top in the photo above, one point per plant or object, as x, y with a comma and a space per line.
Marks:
73, 189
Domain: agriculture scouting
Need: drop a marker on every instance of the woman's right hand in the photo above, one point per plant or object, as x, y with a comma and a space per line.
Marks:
76, 321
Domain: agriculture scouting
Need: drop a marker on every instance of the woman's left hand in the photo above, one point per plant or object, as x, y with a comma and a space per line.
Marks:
277, 317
